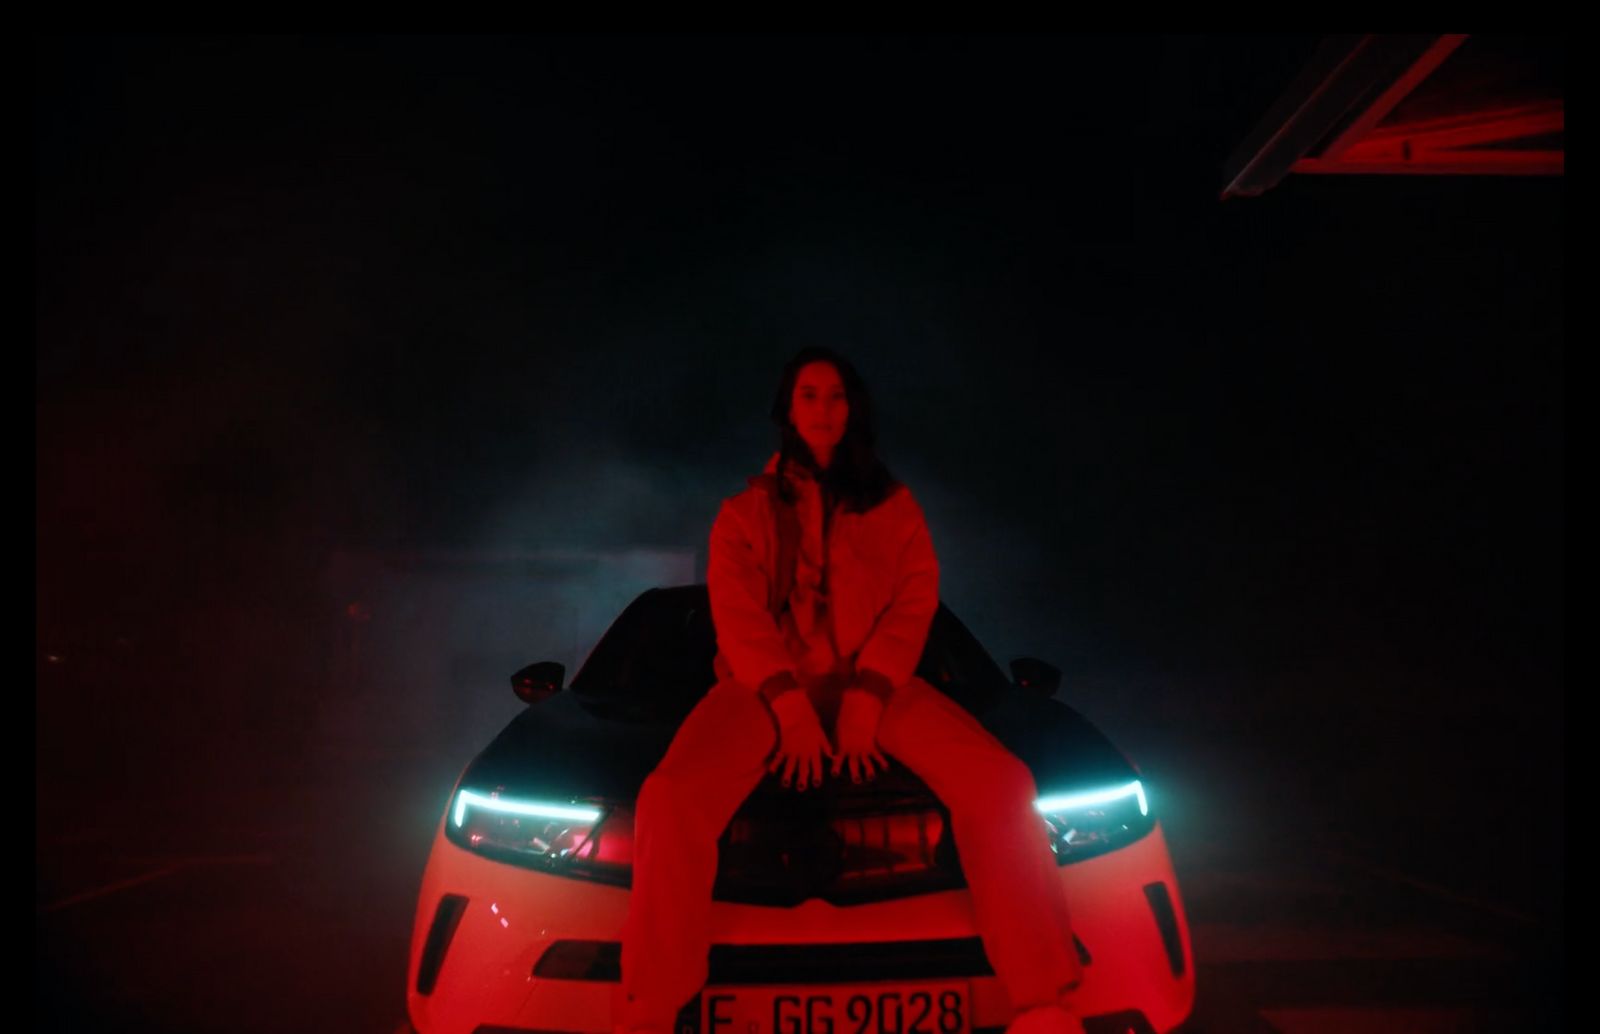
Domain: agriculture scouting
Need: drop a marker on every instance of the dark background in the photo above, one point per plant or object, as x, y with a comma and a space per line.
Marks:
1282, 470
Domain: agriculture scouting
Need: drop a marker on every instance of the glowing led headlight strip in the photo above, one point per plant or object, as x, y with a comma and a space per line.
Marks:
1073, 801
508, 806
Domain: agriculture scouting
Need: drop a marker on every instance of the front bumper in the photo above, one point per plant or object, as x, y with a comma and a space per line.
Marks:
1139, 953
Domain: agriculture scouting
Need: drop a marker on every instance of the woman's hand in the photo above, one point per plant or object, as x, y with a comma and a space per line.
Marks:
858, 735
801, 742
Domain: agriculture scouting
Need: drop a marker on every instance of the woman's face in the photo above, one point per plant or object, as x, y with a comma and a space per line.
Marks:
819, 410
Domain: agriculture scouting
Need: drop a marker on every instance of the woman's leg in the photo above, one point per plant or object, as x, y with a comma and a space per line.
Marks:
1020, 908
717, 757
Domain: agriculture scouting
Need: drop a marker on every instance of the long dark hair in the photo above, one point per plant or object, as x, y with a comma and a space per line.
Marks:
855, 474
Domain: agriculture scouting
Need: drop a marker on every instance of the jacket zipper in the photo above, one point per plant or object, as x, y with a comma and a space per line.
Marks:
827, 575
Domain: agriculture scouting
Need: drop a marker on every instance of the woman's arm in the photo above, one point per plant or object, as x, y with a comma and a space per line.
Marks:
747, 636
889, 657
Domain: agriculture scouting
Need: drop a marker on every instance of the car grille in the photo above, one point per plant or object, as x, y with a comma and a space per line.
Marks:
783, 856
795, 963
788, 963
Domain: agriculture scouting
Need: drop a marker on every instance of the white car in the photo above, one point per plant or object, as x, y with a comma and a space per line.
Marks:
837, 911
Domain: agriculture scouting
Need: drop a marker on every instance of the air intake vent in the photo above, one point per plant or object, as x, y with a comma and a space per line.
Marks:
445, 920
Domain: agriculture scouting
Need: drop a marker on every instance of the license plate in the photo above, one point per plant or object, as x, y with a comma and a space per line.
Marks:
924, 1007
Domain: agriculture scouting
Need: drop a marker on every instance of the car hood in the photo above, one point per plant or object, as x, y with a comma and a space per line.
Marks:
569, 747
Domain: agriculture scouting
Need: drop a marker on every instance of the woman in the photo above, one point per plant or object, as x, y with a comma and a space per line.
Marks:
834, 646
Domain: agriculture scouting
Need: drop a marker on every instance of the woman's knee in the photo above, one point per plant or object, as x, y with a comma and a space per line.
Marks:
728, 732
1001, 778
1019, 778
660, 793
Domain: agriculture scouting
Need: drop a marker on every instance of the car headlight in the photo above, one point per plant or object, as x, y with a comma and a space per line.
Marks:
1090, 823
543, 834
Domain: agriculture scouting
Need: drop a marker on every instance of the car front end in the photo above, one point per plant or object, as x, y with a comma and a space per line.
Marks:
846, 911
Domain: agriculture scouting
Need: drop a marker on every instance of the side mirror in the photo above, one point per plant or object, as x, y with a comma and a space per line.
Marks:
1032, 673
538, 681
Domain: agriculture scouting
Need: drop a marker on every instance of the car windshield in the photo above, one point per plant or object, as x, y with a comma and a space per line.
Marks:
657, 657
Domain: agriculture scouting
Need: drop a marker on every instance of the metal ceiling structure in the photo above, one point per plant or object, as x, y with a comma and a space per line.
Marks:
1409, 104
